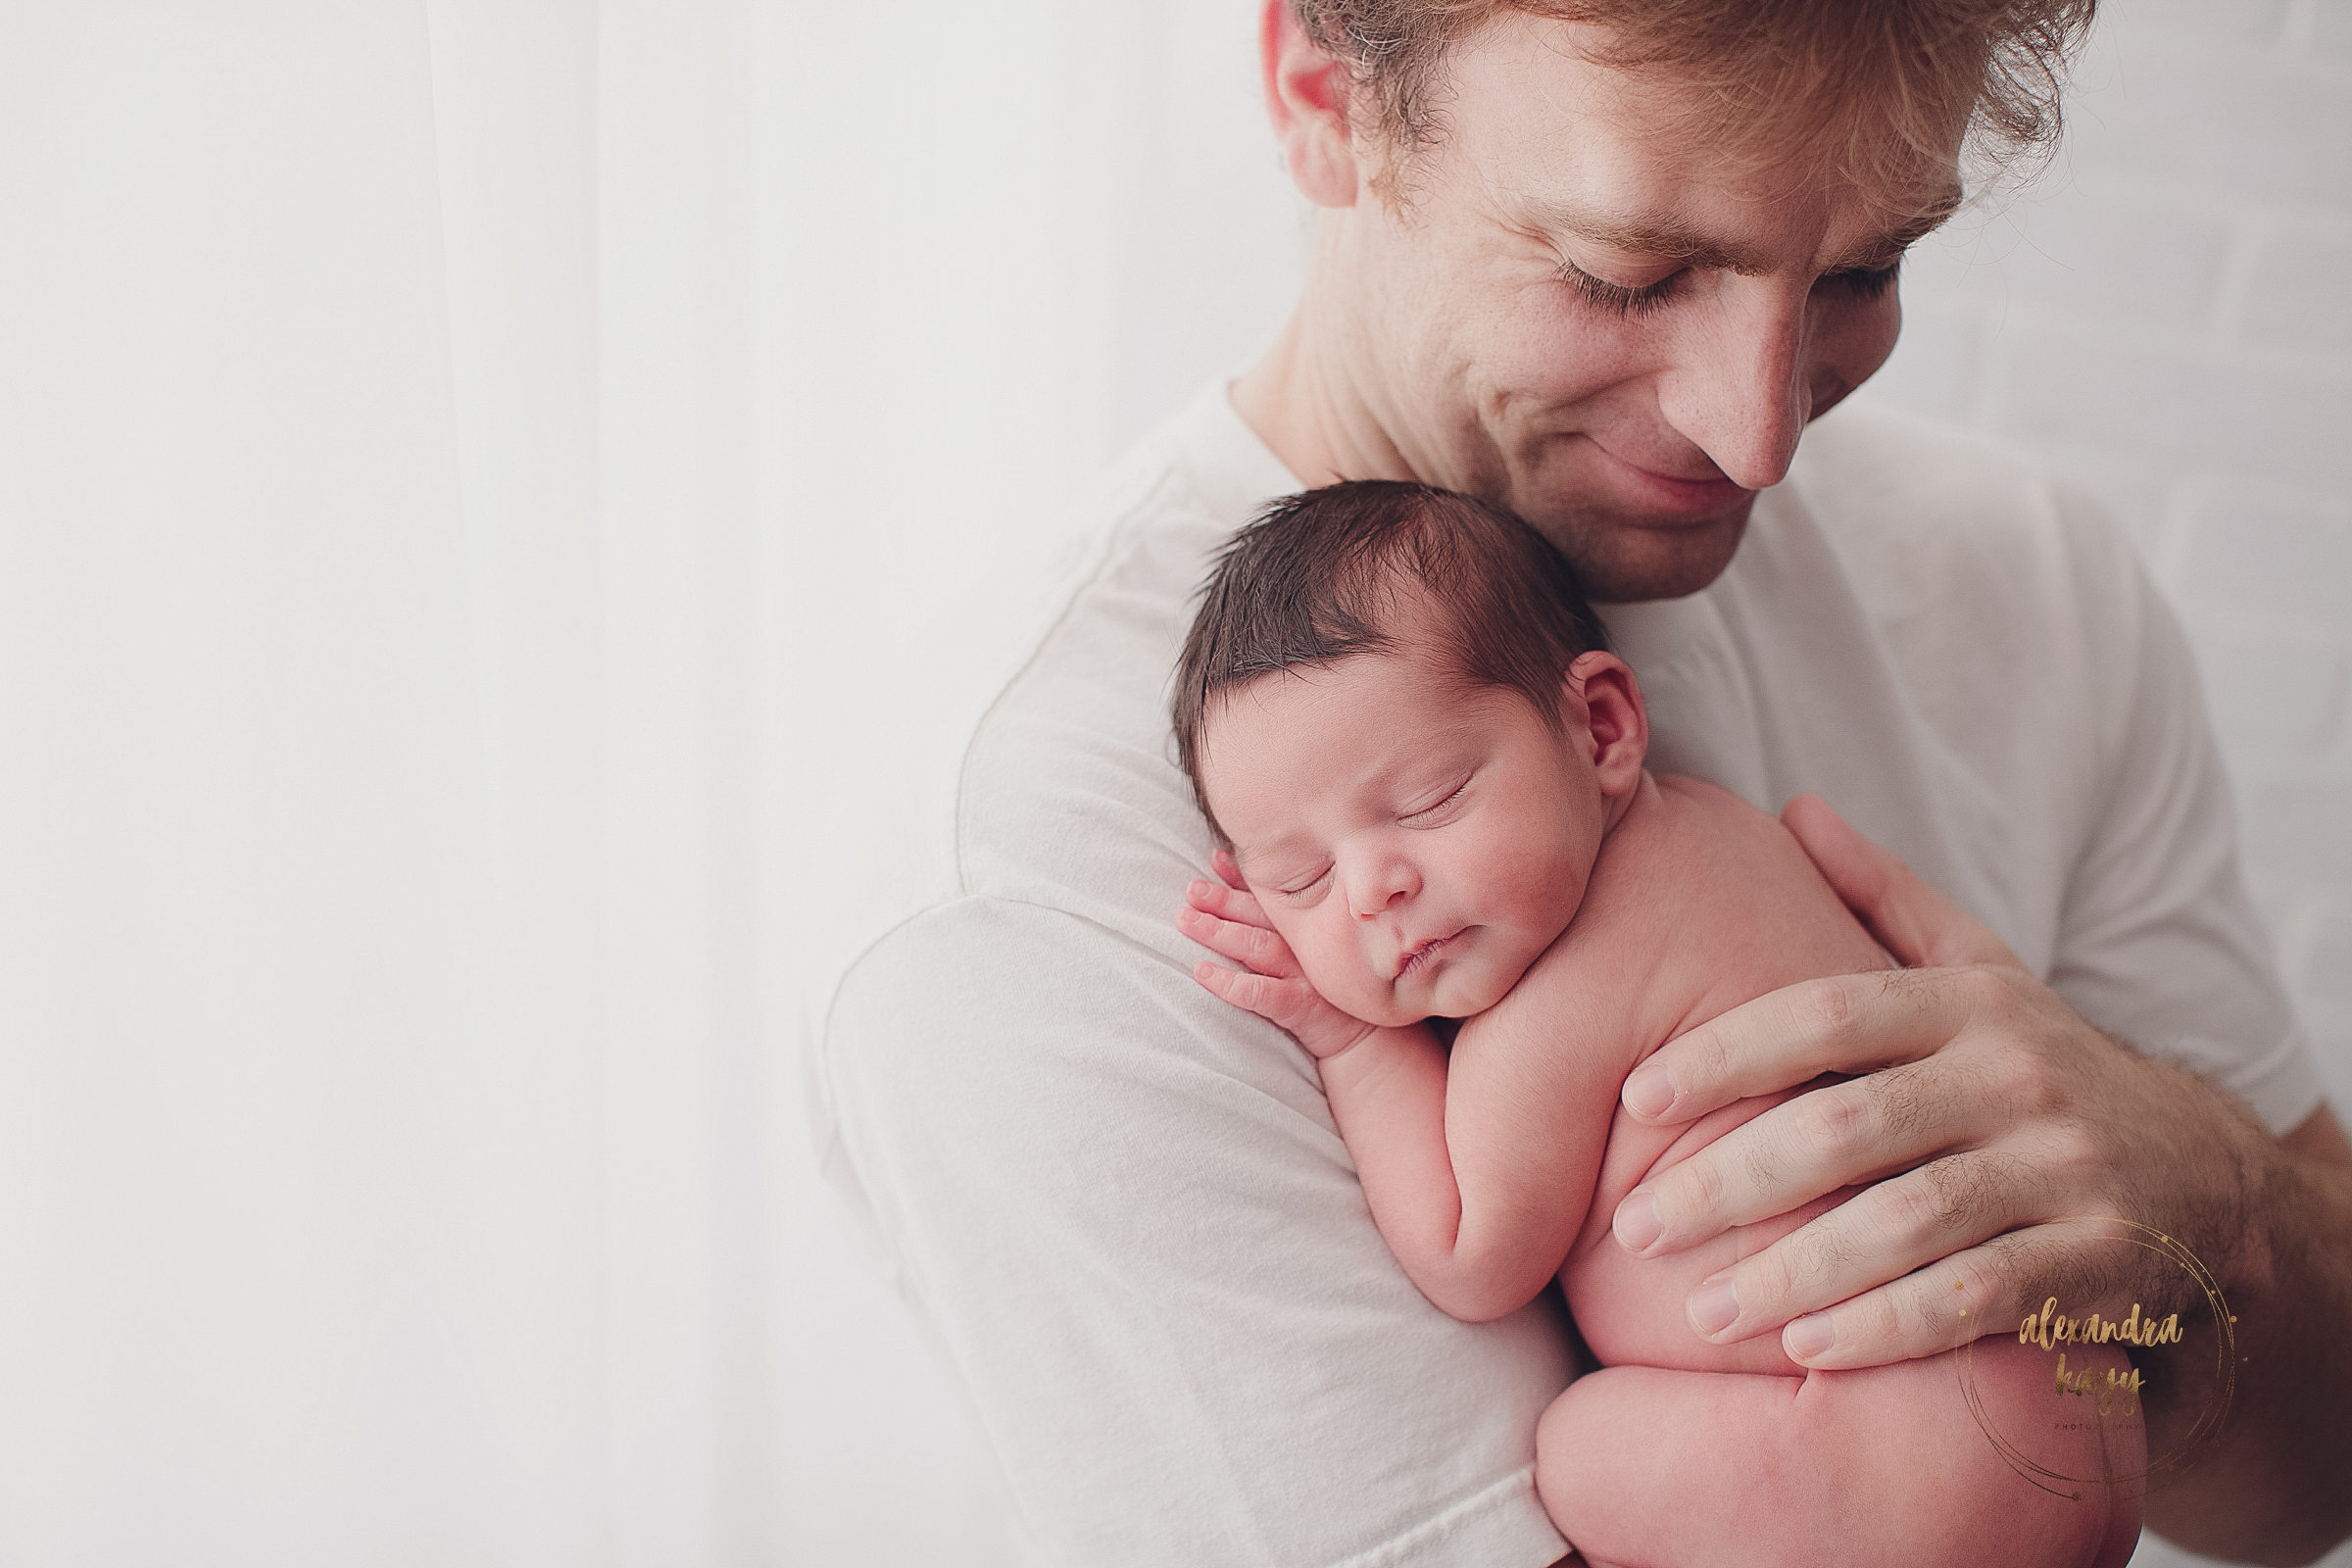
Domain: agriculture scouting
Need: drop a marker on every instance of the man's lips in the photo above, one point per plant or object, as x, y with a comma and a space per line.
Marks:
1695, 496
1420, 956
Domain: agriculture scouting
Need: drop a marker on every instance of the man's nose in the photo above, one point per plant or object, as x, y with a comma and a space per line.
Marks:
1740, 388
1381, 883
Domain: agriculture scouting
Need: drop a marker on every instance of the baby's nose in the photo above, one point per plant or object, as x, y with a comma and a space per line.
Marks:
1384, 888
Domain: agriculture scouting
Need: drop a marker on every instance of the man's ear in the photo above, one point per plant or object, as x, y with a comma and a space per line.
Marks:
1307, 99
1602, 704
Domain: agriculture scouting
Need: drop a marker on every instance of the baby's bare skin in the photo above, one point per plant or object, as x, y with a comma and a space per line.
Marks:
1696, 906
1697, 902
1492, 1165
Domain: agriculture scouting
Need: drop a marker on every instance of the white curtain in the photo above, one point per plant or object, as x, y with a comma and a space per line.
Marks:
449, 454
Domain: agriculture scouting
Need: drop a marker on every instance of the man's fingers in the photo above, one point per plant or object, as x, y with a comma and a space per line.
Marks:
1253, 947
1894, 1227
2086, 1265
1841, 1135
1911, 920
1852, 1024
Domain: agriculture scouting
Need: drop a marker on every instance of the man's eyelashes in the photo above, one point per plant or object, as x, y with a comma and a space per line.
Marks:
1617, 299
1862, 282
1623, 300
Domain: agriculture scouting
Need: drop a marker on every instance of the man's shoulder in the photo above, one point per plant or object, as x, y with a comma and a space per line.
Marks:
1928, 519
1870, 468
1031, 760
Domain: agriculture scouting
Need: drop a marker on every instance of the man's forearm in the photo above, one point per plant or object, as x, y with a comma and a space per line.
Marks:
2275, 1490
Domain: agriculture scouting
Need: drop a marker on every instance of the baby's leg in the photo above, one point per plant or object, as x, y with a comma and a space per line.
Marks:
1642, 1467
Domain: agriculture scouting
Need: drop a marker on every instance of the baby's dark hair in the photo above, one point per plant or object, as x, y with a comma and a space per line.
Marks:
1320, 575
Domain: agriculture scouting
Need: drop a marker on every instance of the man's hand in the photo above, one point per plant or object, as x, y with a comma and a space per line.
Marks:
2004, 1134
2015, 1135
1229, 920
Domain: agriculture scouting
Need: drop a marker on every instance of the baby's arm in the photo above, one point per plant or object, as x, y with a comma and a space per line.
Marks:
1479, 1195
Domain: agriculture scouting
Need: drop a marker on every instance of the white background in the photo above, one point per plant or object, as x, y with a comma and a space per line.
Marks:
451, 454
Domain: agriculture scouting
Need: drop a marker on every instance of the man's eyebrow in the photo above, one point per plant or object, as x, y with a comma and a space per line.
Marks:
1885, 248
1674, 241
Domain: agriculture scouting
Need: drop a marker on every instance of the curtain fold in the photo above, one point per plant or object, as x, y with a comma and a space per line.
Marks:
450, 452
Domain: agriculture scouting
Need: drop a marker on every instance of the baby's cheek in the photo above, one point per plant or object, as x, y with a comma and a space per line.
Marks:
1341, 977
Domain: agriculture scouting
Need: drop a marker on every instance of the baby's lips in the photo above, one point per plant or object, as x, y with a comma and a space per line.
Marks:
1404, 960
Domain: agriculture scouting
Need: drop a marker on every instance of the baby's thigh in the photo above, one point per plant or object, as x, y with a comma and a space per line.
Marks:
1647, 1467
1632, 1310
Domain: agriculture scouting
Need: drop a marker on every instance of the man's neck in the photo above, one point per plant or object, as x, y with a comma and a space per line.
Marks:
1305, 409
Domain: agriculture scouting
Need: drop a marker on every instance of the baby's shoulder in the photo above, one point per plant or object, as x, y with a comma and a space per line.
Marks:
1709, 803
1734, 895
1714, 833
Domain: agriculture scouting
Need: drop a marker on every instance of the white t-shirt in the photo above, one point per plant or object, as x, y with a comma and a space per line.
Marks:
1121, 1207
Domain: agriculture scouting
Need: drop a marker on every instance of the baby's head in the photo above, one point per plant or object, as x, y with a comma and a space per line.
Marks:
1397, 709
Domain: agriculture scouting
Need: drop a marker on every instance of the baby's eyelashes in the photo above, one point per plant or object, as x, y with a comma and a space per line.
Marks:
1438, 811
1305, 888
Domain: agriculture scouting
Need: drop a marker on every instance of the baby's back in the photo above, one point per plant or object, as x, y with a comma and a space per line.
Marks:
1714, 904
1695, 908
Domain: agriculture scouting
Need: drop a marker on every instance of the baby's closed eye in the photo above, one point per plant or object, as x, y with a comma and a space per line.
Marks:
1444, 809
1305, 886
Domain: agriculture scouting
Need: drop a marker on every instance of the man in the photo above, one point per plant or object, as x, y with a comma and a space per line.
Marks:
1603, 263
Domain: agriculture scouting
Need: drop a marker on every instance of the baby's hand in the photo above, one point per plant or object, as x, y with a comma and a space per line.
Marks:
1227, 919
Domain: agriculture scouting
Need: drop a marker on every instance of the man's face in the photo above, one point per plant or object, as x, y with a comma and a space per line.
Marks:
1571, 311
1418, 846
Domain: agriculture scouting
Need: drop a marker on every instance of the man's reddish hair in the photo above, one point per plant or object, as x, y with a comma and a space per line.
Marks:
1897, 78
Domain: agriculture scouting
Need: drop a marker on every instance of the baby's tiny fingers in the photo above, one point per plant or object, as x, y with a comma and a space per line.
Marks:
1259, 949
1263, 995
1231, 904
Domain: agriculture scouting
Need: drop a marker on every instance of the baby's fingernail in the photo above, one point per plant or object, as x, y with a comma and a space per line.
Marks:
1649, 1091
1714, 1307
1808, 1335
1637, 1223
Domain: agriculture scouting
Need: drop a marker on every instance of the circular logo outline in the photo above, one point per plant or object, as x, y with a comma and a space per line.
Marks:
2204, 1430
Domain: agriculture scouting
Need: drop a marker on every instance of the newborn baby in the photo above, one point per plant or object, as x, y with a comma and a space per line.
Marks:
1401, 719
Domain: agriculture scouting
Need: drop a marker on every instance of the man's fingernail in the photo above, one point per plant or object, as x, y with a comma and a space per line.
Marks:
1637, 1223
1649, 1091
1808, 1335
1714, 1307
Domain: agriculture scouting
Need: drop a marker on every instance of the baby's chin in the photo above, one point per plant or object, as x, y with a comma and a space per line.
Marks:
1467, 991
1397, 1008
1374, 1002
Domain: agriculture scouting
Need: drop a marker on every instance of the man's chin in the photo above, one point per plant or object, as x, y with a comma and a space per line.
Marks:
1625, 560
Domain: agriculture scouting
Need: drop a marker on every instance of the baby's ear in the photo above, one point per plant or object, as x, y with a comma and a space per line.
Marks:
1602, 704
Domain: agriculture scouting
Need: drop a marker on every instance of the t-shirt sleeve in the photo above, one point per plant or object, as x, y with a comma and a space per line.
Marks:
2159, 941
1125, 1215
